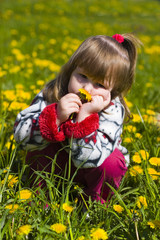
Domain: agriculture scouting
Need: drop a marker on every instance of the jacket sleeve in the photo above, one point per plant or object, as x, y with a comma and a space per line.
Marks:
48, 126
93, 149
27, 128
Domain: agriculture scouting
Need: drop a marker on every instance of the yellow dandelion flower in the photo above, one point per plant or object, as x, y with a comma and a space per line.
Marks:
14, 32
55, 206
19, 86
154, 174
141, 202
11, 137
24, 230
118, 208
12, 180
53, 67
14, 43
67, 207
32, 87
150, 119
138, 135
58, 228
16, 106
40, 82
136, 170
154, 161
22, 95
154, 49
9, 95
136, 118
148, 85
158, 139
52, 41
98, 233
129, 104
156, 223
130, 128
6, 170
34, 54
128, 140
14, 69
151, 224
85, 95
81, 238
141, 67
76, 187
144, 154
145, 39
135, 212
12, 207
5, 105
9, 144
136, 158
141, 155
150, 112
24, 194
36, 91
2, 73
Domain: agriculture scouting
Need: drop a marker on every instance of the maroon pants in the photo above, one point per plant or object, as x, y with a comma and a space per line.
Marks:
93, 179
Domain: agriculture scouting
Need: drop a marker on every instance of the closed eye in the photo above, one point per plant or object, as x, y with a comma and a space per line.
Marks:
84, 76
100, 85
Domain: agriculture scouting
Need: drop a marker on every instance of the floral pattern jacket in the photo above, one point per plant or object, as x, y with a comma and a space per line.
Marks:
92, 140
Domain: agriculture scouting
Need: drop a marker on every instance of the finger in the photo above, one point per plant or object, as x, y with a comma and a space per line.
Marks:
104, 93
97, 98
107, 95
106, 103
72, 98
72, 104
73, 110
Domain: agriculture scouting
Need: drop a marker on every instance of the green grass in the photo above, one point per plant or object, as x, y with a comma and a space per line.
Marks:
36, 38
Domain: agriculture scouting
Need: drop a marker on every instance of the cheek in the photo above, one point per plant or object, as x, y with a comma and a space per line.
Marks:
72, 86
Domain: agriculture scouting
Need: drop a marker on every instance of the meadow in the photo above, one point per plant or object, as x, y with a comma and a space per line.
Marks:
36, 38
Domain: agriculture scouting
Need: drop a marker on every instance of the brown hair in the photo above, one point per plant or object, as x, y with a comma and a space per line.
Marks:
101, 58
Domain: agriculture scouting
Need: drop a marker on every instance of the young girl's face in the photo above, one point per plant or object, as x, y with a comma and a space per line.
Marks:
79, 80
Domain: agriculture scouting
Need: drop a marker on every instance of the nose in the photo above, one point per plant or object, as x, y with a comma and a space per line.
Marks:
89, 87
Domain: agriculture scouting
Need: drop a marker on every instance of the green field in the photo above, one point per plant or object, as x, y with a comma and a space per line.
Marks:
36, 39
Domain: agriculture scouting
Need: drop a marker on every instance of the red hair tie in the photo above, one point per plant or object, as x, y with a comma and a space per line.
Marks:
119, 38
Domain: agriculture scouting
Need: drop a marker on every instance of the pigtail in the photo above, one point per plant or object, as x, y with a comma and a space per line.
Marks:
131, 44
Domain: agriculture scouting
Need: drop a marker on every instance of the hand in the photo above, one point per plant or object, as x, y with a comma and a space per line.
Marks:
67, 105
98, 103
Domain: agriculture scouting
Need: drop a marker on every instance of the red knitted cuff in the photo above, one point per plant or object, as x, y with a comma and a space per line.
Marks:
81, 129
47, 123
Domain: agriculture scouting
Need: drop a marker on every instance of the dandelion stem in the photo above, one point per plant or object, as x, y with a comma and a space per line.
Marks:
136, 228
70, 228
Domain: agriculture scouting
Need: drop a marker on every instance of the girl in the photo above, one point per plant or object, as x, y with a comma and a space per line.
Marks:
105, 67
